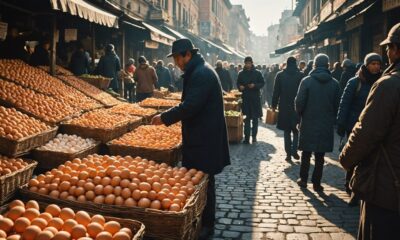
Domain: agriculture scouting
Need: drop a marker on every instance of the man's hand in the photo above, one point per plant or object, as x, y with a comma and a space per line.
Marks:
251, 85
157, 120
241, 87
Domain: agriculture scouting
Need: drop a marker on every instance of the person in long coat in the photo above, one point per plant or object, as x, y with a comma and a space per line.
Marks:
41, 55
373, 146
233, 74
337, 71
204, 133
224, 77
317, 103
250, 82
285, 89
349, 71
163, 75
80, 61
109, 66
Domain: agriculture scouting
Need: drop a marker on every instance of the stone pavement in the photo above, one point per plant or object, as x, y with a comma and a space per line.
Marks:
258, 198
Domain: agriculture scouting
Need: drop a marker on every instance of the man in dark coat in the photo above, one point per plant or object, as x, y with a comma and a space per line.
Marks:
41, 55
317, 103
349, 71
285, 89
309, 68
204, 134
224, 77
109, 66
337, 71
80, 61
233, 74
164, 76
373, 144
250, 82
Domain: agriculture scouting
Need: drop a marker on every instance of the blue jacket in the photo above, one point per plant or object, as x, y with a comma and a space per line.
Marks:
204, 134
164, 77
352, 102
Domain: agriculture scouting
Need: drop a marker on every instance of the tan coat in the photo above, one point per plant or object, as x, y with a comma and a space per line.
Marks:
379, 123
146, 79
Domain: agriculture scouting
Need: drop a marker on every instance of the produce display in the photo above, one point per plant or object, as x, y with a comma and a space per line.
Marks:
174, 96
101, 119
158, 102
68, 144
15, 125
152, 137
232, 114
26, 221
230, 97
38, 80
90, 90
133, 109
121, 181
10, 165
41, 106
91, 76
231, 103
59, 70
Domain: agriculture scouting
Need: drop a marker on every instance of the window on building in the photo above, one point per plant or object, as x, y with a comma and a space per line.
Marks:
179, 11
214, 6
166, 4
174, 8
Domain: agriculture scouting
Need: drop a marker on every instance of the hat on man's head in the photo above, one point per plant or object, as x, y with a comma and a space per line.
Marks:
182, 45
248, 59
321, 60
371, 57
393, 35
142, 60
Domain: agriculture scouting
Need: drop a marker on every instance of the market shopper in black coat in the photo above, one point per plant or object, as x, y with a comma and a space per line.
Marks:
41, 55
80, 61
285, 89
250, 82
317, 103
224, 77
109, 66
349, 71
204, 133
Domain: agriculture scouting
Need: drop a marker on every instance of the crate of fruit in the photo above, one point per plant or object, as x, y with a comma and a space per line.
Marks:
158, 103
130, 188
162, 93
15, 172
97, 81
159, 143
64, 148
134, 109
52, 221
233, 119
232, 106
20, 133
100, 125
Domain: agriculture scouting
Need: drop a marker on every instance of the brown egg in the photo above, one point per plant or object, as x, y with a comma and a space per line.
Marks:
14, 237
51, 229
112, 227
98, 190
175, 207
166, 203
130, 202
32, 204
83, 218
156, 204
31, 232
99, 219
78, 231
45, 235
53, 209
56, 223
62, 235
67, 213
31, 213
69, 224
109, 199
16, 212
94, 229
40, 222
46, 216
21, 224
121, 236
104, 236
99, 199
3, 234
6, 224
144, 203
90, 195
16, 203
107, 190
128, 231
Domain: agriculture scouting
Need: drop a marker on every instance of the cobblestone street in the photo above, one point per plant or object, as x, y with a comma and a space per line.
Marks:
258, 198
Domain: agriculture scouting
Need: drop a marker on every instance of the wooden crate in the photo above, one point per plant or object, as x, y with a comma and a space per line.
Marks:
235, 134
10, 183
49, 159
232, 106
137, 228
100, 134
102, 83
168, 156
162, 225
233, 121
19, 147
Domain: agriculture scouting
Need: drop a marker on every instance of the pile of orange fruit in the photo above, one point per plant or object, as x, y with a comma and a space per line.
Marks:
90, 90
59, 70
39, 105
158, 102
15, 125
38, 80
122, 181
10, 165
26, 221
102, 119
152, 137
133, 109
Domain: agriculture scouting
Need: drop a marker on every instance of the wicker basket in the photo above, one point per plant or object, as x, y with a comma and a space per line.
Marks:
163, 225
136, 227
10, 183
49, 159
101, 83
169, 156
234, 121
19, 147
99, 134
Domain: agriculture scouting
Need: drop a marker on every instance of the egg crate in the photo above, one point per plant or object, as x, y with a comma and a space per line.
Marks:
137, 228
160, 225
234, 121
146, 117
100, 134
160, 94
10, 183
169, 156
235, 134
100, 82
13, 148
48, 160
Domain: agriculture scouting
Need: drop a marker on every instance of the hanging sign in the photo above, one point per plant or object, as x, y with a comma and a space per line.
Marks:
3, 30
151, 44
390, 4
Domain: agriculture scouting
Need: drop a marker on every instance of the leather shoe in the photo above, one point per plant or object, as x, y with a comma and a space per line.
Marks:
318, 187
206, 233
296, 156
301, 183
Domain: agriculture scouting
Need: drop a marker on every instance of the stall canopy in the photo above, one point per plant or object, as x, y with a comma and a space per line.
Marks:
216, 46
86, 11
159, 36
174, 32
234, 51
289, 47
